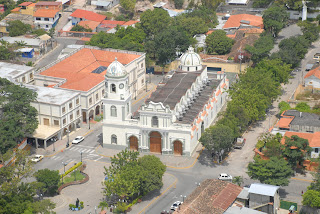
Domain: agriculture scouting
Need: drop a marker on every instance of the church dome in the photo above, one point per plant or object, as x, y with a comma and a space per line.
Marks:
116, 69
190, 61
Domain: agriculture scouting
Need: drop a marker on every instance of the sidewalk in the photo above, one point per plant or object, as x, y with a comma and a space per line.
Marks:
60, 145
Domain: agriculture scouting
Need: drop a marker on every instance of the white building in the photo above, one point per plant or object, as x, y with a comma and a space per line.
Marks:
312, 78
46, 18
175, 115
16, 73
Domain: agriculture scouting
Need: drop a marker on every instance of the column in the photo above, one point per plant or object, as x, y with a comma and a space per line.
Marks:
37, 145
45, 144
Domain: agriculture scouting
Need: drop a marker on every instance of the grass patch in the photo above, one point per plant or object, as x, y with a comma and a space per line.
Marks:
287, 204
71, 176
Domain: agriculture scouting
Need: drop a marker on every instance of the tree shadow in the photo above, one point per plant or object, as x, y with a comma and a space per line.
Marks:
283, 193
151, 195
206, 159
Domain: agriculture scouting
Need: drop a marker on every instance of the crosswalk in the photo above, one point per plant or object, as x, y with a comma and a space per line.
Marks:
87, 154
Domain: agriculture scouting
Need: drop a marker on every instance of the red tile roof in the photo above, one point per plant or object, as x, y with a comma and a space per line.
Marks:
313, 138
131, 22
211, 197
234, 21
89, 15
45, 13
16, 9
48, 3
89, 24
209, 32
77, 68
25, 3
314, 72
284, 122
112, 22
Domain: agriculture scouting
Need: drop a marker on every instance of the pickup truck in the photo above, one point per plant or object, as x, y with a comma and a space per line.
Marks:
239, 143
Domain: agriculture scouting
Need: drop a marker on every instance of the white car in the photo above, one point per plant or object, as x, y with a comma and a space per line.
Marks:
78, 140
225, 177
175, 205
37, 158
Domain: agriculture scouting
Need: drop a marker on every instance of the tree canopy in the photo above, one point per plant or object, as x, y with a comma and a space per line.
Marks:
218, 43
50, 179
261, 48
274, 171
17, 28
274, 19
311, 198
18, 118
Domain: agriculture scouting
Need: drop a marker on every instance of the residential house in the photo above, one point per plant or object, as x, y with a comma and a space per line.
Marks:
243, 21
313, 139
26, 19
27, 8
312, 78
109, 26
49, 5
83, 71
65, 3
90, 25
84, 15
46, 18
296, 121
36, 43
264, 197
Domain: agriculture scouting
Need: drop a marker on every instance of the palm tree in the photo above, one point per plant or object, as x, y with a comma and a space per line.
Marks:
237, 180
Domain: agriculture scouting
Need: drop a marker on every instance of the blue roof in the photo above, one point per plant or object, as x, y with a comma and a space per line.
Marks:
263, 189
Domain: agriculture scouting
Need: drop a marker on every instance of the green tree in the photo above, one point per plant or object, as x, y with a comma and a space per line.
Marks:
237, 180
178, 3
310, 30
128, 5
50, 179
192, 25
295, 150
274, 19
261, 3
152, 172
311, 198
303, 107
80, 28
208, 15
17, 28
218, 43
261, 48
275, 171
217, 139
283, 106
154, 21
39, 32
18, 118
273, 146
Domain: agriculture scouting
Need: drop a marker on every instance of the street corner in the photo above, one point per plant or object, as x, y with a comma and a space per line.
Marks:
106, 152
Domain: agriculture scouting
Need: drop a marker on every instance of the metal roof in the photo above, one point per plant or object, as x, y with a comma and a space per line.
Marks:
103, 3
241, 210
263, 189
28, 41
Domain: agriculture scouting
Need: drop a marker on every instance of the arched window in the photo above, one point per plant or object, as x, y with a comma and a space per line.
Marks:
113, 88
113, 111
113, 139
155, 122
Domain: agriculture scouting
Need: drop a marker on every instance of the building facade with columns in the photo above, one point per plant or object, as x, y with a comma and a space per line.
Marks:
175, 115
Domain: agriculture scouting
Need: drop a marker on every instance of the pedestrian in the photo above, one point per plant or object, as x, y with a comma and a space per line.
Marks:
302, 192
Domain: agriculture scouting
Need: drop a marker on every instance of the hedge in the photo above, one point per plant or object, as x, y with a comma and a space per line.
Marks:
71, 169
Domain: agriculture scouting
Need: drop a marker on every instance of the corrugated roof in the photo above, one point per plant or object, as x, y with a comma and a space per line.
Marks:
89, 15
263, 189
45, 13
242, 210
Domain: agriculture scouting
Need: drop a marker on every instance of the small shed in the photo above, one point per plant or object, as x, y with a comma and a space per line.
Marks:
26, 52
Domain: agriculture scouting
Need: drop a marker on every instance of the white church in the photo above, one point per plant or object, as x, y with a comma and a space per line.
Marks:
174, 116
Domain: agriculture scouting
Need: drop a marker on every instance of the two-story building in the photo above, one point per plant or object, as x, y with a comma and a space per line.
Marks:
83, 71
27, 8
17, 73
46, 18
175, 115
85, 15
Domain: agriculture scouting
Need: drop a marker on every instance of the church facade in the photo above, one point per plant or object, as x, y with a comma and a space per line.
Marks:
175, 115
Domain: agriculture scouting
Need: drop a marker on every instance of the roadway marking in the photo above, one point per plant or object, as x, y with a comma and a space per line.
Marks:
98, 158
301, 179
91, 147
174, 183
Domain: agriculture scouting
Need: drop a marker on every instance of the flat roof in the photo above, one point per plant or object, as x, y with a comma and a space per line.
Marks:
26, 19
11, 71
242, 210
54, 96
28, 41
44, 132
263, 189
77, 68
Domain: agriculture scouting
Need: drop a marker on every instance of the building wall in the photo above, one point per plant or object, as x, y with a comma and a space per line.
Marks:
3, 31
256, 200
313, 82
298, 128
227, 67
41, 22
28, 10
50, 7
27, 77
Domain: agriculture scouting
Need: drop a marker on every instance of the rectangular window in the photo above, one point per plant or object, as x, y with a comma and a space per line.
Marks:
70, 105
38, 19
56, 122
31, 76
71, 117
141, 65
46, 121
78, 112
77, 101
23, 79
63, 110
90, 101
103, 92
64, 121
97, 96
46, 19
47, 26
316, 150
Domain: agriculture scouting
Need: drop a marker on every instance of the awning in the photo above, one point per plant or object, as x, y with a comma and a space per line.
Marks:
44, 132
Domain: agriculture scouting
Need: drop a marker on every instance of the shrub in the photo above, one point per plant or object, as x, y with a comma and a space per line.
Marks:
71, 169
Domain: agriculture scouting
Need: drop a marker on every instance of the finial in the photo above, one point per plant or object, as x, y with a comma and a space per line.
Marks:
190, 49
115, 59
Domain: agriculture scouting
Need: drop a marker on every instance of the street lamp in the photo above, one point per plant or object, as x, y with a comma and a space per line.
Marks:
64, 167
81, 156
74, 172
68, 138
183, 197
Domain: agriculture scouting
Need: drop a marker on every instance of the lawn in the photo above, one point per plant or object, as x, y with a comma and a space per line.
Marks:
71, 177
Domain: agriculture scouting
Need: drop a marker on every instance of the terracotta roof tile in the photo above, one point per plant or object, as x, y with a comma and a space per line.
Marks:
131, 22
234, 21
25, 3
209, 106
48, 3
89, 24
284, 122
218, 92
203, 113
45, 13
85, 39
112, 22
77, 68
89, 15
314, 72
313, 138
16, 9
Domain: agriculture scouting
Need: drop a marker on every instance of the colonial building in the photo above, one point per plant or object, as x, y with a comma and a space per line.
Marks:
175, 115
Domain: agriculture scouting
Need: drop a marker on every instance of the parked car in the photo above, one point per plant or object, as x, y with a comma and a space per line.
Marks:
225, 177
37, 158
239, 143
78, 140
175, 205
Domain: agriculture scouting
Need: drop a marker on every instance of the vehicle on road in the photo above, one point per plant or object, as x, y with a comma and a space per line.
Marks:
37, 158
175, 205
239, 143
78, 140
225, 177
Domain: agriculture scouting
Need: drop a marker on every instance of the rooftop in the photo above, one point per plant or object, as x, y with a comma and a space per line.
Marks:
11, 71
212, 196
25, 3
28, 41
52, 96
263, 189
77, 68
242, 210
89, 15
303, 118
89, 24
314, 72
235, 21
48, 3
313, 138
45, 13
26, 19
16, 9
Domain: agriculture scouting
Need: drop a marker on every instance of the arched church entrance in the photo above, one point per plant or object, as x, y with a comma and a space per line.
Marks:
133, 140
177, 147
97, 110
155, 142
